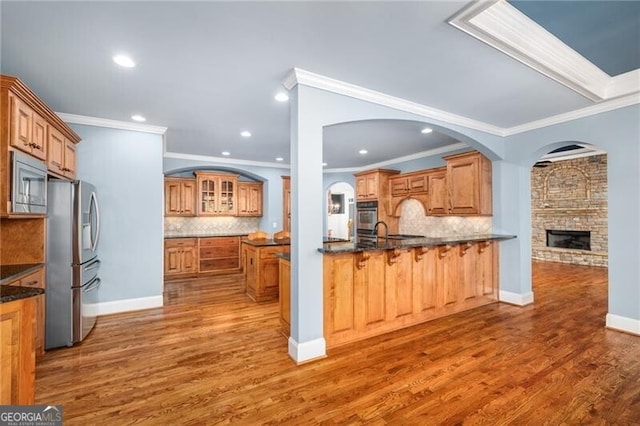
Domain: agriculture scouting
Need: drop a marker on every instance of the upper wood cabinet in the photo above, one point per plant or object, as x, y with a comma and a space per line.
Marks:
408, 183
28, 130
286, 203
438, 202
217, 194
249, 198
373, 184
61, 154
469, 184
179, 197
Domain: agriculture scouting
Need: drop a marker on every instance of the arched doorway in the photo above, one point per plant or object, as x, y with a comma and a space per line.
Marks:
340, 211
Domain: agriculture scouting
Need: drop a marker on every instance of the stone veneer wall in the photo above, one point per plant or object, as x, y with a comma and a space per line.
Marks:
570, 195
223, 225
413, 221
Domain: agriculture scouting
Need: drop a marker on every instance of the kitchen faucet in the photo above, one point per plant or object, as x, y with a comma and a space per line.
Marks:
386, 230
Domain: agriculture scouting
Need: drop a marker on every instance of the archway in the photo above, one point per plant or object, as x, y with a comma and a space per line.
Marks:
340, 211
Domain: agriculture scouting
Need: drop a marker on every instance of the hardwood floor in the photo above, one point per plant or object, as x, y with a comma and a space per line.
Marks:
211, 355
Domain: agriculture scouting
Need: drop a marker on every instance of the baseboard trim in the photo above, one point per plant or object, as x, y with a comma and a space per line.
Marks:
516, 298
624, 324
126, 305
307, 351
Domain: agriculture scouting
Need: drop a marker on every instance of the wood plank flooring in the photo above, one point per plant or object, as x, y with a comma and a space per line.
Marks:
212, 356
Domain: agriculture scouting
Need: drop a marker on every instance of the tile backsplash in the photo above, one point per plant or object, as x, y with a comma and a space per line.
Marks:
414, 221
194, 226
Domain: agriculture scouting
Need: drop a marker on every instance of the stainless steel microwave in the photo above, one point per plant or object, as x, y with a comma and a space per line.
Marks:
28, 184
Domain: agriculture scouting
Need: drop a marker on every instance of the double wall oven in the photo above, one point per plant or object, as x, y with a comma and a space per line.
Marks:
366, 218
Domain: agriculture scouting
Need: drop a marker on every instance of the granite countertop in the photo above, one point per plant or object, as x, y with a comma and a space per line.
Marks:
267, 242
173, 236
9, 273
409, 243
9, 293
285, 256
334, 240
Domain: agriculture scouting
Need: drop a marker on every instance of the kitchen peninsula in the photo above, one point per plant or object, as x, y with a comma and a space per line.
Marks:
261, 267
376, 288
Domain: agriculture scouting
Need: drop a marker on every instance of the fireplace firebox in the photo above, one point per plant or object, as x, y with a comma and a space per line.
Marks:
575, 240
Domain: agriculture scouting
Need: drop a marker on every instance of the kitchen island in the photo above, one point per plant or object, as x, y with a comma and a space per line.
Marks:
371, 289
261, 267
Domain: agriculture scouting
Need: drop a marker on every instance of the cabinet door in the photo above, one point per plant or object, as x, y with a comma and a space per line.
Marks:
21, 124
55, 151
172, 197
172, 260
463, 185
372, 186
255, 199
438, 197
361, 188
398, 186
69, 159
208, 199
189, 259
284, 296
417, 184
243, 200
228, 197
39, 137
188, 198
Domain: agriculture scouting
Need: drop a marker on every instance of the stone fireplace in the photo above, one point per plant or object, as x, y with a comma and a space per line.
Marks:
569, 211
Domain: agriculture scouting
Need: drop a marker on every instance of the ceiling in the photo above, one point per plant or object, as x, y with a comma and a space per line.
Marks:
208, 70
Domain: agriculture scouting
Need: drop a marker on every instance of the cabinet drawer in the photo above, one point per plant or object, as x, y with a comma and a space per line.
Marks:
180, 242
34, 280
270, 252
218, 252
222, 242
219, 264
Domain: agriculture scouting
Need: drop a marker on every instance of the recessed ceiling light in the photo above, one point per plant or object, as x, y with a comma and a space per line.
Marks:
124, 61
363, 151
324, 164
279, 159
245, 134
138, 117
426, 130
226, 153
282, 97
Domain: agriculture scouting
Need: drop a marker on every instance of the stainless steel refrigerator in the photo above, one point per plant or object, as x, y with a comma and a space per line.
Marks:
73, 231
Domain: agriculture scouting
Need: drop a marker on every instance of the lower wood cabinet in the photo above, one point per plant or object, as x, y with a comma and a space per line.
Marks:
371, 293
35, 280
180, 257
262, 271
219, 255
284, 278
17, 351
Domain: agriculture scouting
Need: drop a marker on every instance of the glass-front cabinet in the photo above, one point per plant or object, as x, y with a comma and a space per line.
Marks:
217, 194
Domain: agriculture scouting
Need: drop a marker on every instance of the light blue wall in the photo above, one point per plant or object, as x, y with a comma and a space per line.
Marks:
126, 168
270, 176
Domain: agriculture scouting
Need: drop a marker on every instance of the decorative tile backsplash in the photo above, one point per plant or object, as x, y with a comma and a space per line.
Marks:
194, 226
413, 221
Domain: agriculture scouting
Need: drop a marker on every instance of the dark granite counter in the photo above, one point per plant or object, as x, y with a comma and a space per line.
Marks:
333, 240
391, 244
267, 242
9, 293
171, 237
11, 272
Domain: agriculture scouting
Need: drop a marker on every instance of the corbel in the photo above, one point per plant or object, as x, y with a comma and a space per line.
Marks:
442, 250
392, 256
419, 252
464, 247
482, 245
361, 258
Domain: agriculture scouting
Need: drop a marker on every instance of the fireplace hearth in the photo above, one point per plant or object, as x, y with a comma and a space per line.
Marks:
574, 240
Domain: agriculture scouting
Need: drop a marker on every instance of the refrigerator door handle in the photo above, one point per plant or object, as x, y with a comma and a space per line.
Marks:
94, 202
93, 265
93, 285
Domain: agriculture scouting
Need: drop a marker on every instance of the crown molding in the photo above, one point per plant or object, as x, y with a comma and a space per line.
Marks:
300, 76
601, 107
224, 160
112, 124
505, 28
